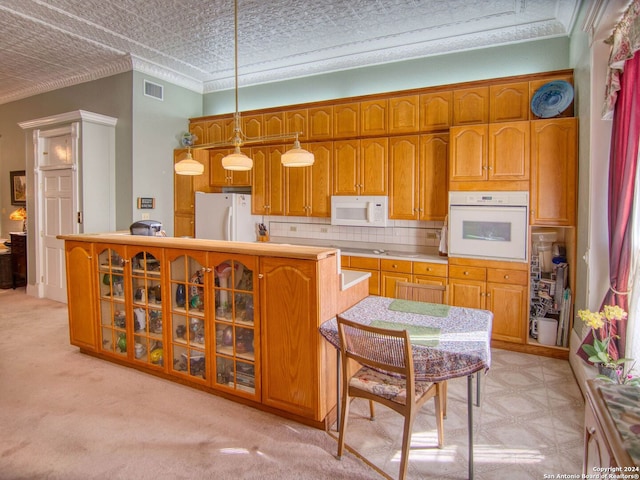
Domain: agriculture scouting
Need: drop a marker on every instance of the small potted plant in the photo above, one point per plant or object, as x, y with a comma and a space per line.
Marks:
614, 370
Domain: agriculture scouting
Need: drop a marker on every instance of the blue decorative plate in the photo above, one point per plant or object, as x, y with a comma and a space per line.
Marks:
552, 99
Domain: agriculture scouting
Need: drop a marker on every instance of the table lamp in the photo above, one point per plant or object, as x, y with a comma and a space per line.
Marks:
20, 214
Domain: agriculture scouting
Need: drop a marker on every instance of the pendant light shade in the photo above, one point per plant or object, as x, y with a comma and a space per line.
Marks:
237, 161
188, 166
297, 156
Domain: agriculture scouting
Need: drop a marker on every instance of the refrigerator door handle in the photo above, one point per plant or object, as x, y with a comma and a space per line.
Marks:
227, 234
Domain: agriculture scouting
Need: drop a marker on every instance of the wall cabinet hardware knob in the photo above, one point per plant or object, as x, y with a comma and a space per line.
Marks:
506, 277
466, 273
260, 275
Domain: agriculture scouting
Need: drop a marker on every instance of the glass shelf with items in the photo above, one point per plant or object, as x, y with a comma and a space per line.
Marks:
146, 292
112, 310
188, 314
235, 326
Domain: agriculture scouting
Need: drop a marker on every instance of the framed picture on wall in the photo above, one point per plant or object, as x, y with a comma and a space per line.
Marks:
18, 187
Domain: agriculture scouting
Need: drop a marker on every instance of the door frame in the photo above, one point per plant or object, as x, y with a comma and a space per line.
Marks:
41, 164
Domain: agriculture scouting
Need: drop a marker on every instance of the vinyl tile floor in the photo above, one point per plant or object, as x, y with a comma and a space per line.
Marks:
529, 424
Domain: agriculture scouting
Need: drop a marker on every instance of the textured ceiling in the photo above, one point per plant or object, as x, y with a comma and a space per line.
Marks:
48, 44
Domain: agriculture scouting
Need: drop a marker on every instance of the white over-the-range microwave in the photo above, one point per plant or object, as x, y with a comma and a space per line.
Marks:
359, 210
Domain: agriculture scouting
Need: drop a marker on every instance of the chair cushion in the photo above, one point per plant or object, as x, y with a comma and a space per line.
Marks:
385, 385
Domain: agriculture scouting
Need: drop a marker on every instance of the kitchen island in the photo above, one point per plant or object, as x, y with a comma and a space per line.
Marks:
236, 319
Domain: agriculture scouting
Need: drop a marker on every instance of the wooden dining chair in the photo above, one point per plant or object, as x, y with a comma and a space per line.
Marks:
385, 375
423, 292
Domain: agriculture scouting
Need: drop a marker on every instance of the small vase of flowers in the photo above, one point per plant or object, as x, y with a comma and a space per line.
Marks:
614, 370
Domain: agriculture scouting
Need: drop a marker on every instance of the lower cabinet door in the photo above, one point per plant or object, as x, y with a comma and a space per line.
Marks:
509, 304
290, 336
80, 278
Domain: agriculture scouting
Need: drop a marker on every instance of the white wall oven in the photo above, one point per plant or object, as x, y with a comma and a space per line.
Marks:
489, 225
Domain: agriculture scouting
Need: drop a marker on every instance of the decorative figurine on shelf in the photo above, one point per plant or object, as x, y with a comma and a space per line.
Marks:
122, 342
181, 330
188, 139
181, 295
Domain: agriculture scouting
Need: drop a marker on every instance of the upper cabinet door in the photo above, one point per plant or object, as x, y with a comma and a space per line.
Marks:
404, 178
553, 171
509, 103
434, 154
346, 120
404, 114
373, 116
436, 110
321, 123
346, 165
471, 105
508, 151
373, 166
468, 153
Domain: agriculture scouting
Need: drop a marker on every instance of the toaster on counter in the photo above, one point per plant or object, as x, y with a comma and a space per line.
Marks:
149, 228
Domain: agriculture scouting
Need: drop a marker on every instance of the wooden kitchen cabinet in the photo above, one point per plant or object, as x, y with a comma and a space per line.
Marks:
80, 286
490, 157
360, 167
308, 189
267, 196
252, 125
470, 105
509, 102
320, 123
501, 287
212, 326
274, 123
508, 299
131, 313
404, 178
373, 117
554, 159
418, 177
433, 173
468, 153
292, 350
184, 188
194, 313
436, 110
219, 177
297, 121
365, 264
404, 115
393, 271
346, 120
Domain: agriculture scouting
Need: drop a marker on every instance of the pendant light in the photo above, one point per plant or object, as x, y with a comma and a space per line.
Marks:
237, 160
189, 166
297, 156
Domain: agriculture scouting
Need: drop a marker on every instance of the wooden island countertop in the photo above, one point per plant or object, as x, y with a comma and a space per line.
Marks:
281, 250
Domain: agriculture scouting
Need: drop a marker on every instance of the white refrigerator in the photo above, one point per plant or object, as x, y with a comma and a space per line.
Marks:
224, 216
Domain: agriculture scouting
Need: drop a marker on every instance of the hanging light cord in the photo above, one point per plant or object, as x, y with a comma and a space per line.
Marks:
237, 140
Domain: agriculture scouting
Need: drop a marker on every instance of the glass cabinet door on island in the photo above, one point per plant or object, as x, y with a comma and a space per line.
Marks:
188, 327
212, 299
236, 336
113, 318
146, 296
131, 305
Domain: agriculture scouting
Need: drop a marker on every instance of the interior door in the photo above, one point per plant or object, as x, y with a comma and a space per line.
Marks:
57, 204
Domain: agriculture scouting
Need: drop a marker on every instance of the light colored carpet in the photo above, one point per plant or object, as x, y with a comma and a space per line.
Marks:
65, 415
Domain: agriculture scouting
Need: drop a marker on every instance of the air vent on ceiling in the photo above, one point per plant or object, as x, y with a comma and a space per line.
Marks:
153, 90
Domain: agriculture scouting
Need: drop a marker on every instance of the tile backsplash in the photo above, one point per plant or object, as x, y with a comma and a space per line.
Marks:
413, 234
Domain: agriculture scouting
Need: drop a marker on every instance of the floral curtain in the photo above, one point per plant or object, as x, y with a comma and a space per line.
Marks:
624, 41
